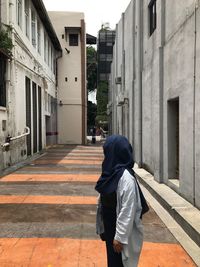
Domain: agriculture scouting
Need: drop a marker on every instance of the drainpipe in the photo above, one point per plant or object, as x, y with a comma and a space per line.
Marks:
83, 82
57, 57
194, 104
139, 78
161, 86
115, 92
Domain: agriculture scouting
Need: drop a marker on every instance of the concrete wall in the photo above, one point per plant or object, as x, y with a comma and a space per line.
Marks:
70, 68
161, 80
129, 35
197, 113
179, 82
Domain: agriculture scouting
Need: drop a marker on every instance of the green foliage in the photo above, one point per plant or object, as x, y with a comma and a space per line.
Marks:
91, 114
102, 98
102, 101
6, 44
91, 69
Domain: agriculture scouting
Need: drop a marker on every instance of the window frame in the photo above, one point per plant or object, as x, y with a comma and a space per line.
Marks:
72, 40
27, 17
33, 27
39, 36
19, 13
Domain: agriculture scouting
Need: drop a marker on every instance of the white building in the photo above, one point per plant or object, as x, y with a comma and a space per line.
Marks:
29, 91
43, 84
70, 28
154, 90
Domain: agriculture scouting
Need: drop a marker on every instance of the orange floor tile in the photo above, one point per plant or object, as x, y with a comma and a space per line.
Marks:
68, 161
61, 252
50, 178
82, 200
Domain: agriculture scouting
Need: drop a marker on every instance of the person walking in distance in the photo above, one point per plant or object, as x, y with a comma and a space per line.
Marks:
94, 135
121, 204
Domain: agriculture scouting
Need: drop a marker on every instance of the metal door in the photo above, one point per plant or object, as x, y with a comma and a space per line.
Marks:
28, 114
40, 117
35, 128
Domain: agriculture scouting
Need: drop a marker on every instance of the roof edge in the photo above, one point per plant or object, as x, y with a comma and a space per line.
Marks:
43, 14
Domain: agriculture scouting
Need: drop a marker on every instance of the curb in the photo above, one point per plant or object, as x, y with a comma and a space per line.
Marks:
183, 212
21, 164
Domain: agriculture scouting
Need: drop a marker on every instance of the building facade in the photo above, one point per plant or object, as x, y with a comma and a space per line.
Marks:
28, 90
105, 42
153, 97
70, 27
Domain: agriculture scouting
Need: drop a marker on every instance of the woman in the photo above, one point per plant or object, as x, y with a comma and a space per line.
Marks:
119, 204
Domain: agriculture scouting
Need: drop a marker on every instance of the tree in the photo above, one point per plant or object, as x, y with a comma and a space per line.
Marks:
91, 84
102, 101
6, 44
92, 112
91, 68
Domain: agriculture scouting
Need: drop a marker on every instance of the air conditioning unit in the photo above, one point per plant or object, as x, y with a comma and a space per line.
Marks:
118, 80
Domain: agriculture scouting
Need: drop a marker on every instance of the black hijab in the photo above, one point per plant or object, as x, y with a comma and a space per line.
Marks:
118, 156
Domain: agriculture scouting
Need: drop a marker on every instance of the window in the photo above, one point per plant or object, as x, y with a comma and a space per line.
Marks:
19, 13
46, 101
102, 57
55, 65
102, 76
73, 39
33, 28
49, 53
49, 104
2, 81
39, 36
109, 57
27, 18
102, 36
152, 16
52, 58
45, 47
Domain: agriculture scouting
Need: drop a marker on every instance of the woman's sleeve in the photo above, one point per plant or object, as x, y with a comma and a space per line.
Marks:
128, 205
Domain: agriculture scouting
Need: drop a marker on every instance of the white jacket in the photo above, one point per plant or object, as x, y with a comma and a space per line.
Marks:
129, 229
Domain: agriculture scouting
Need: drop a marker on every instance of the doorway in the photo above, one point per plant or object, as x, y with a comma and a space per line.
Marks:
173, 139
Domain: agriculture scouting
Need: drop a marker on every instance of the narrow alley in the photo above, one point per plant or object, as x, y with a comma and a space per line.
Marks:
47, 215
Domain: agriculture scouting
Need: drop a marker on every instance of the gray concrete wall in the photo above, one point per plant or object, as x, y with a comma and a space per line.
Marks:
128, 69
150, 92
197, 113
179, 83
159, 69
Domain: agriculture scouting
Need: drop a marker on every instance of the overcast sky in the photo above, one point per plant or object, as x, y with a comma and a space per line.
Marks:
96, 12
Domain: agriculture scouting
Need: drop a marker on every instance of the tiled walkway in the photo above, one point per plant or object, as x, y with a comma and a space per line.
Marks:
47, 216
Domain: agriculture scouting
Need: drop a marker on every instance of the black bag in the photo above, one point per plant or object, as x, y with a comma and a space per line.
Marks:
145, 207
